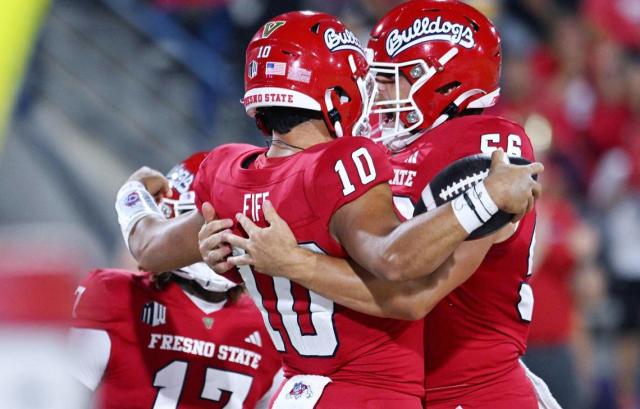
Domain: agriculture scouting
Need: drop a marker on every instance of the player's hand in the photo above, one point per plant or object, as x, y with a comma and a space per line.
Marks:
271, 250
153, 181
213, 250
512, 187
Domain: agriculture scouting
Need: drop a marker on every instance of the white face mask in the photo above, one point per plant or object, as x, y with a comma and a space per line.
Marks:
395, 134
391, 107
205, 277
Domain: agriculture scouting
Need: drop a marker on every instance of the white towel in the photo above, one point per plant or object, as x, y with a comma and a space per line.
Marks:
545, 398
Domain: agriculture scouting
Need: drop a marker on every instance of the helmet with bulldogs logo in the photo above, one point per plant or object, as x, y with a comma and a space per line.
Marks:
309, 60
450, 54
182, 201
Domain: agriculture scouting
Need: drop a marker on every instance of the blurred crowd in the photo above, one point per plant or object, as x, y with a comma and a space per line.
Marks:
571, 77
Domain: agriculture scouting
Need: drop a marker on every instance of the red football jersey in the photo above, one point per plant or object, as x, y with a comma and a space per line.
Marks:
315, 335
479, 331
166, 351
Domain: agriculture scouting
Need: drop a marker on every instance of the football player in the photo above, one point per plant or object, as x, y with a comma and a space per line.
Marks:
306, 85
437, 64
185, 339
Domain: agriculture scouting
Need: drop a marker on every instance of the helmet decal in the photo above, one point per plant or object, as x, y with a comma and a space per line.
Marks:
345, 40
270, 27
180, 178
299, 74
252, 69
423, 30
275, 68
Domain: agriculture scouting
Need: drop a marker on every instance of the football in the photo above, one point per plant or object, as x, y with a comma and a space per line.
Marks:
455, 179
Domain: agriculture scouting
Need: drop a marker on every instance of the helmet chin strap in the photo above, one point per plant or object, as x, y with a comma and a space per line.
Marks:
334, 115
454, 107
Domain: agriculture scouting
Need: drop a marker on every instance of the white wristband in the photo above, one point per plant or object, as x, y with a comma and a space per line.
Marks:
133, 202
483, 195
474, 207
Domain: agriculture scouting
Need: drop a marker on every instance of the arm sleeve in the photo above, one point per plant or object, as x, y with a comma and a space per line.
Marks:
90, 349
346, 170
263, 403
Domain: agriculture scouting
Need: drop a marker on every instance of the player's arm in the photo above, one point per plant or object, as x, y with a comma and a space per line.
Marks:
373, 236
91, 349
402, 300
274, 250
157, 243
348, 284
160, 244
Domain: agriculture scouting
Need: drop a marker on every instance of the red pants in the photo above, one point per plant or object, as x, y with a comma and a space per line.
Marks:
510, 391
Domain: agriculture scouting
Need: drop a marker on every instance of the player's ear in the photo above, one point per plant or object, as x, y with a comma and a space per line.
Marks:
260, 123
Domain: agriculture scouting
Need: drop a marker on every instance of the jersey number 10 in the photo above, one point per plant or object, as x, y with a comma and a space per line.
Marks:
323, 342
359, 157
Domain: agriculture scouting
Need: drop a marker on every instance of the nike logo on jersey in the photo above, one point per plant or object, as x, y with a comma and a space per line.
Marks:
154, 314
254, 339
403, 177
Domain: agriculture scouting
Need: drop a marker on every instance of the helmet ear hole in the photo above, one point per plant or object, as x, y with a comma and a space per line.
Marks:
447, 88
343, 97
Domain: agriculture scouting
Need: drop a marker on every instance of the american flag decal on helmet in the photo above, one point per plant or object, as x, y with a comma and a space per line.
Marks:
154, 314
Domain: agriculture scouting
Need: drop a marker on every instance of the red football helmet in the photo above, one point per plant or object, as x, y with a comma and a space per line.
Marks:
181, 178
450, 54
310, 60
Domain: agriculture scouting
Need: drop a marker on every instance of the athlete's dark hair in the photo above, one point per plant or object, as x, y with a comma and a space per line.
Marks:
283, 119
